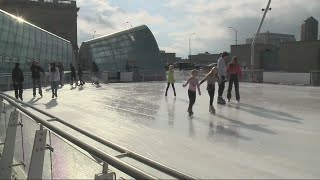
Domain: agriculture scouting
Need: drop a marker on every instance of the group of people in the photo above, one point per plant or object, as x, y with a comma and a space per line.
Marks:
219, 74
56, 76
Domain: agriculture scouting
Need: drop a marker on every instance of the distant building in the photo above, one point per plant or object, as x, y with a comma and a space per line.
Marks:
272, 38
299, 56
204, 58
167, 58
309, 29
56, 16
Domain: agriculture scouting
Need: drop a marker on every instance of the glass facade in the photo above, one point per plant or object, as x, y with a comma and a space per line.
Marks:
135, 48
23, 42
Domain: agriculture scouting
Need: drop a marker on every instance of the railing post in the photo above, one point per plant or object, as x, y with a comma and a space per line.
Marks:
106, 173
38, 153
8, 150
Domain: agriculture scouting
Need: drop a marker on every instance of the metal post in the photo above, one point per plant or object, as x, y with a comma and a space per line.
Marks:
254, 39
190, 46
236, 33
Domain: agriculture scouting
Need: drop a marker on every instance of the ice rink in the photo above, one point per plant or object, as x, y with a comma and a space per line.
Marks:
274, 132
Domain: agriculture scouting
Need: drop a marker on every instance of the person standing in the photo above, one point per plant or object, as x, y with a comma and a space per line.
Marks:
80, 73
61, 71
211, 78
17, 79
54, 79
170, 80
36, 79
73, 75
222, 76
234, 73
95, 73
193, 85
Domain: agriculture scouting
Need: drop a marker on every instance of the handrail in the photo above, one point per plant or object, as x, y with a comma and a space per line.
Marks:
158, 166
113, 161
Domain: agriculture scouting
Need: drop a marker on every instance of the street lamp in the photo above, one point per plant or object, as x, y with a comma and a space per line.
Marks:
190, 46
129, 23
94, 32
236, 34
254, 39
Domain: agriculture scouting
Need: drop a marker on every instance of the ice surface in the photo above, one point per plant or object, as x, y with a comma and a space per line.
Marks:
273, 133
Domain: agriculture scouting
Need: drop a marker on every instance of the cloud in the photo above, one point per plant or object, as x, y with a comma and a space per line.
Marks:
174, 20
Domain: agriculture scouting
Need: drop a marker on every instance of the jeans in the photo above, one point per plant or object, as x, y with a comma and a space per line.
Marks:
74, 77
18, 90
211, 91
233, 79
36, 82
221, 86
54, 87
192, 98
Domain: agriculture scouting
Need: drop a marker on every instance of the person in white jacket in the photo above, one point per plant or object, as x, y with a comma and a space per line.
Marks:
222, 75
54, 79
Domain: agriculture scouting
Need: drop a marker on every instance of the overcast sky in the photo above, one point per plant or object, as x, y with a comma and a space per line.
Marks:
172, 21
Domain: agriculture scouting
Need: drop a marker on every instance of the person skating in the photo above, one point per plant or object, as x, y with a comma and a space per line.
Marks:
95, 73
17, 79
54, 79
222, 76
61, 71
80, 73
193, 86
36, 79
234, 73
211, 78
73, 75
170, 80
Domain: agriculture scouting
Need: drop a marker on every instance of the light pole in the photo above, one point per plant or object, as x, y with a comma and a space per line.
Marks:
236, 34
94, 32
190, 46
254, 39
129, 23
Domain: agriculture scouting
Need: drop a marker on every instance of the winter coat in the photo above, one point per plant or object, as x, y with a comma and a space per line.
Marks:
35, 70
73, 71
95, 68
17, 75
80, 71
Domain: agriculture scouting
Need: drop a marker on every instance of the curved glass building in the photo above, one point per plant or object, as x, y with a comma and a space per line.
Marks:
23, 42
134, 49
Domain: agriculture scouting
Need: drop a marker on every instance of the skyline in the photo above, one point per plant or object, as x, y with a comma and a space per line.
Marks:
172, 21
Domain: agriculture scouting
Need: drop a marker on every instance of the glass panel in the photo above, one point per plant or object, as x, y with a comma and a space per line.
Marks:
70, 163
49, 47
31, 44
54, 49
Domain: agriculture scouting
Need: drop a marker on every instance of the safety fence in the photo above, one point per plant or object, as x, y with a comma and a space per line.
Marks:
36, 148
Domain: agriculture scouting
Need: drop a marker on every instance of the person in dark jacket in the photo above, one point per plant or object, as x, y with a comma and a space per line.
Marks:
61, 71
36, 80
73, 75
95, 73
80, 73
17, 79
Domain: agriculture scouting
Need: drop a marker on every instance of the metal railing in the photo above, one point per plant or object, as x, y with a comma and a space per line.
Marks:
114, 161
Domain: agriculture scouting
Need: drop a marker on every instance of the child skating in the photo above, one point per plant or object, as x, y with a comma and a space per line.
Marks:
211, 78
170, 80
193, 85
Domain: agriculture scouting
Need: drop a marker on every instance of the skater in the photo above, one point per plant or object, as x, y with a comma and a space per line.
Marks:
17, 79
193, 85
95, 73
170, 80
211, 78
36, 80
73, 75
222, 76
80, 73
61, 71
234, 73
54, 79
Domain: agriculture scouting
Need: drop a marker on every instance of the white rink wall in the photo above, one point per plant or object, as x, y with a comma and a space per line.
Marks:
286, 78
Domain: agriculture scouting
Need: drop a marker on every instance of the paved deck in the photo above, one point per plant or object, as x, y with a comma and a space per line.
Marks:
273, 133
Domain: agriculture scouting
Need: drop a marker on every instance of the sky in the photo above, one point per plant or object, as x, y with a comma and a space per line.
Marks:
173, 21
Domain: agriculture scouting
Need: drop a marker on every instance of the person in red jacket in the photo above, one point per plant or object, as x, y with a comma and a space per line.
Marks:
234, 73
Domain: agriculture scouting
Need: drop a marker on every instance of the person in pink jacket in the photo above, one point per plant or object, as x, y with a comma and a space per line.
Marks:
234, 73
